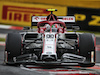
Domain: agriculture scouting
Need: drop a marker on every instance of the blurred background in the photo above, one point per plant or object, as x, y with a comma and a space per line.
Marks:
19, 12
15, 14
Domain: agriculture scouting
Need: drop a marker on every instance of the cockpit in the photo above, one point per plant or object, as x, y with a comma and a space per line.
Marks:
51, 26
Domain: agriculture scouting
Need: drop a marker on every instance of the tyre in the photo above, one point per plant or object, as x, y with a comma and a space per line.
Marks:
87, 49
13, 47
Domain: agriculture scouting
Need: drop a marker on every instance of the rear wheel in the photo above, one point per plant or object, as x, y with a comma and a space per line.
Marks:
13, 47
87, 49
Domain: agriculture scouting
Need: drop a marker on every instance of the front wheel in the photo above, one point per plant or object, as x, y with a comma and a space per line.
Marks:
87, 49
13, 47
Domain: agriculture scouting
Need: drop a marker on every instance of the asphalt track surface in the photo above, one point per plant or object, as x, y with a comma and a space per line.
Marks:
45, 70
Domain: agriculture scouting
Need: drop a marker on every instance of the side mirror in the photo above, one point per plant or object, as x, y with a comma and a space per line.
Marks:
26, 28
73, 27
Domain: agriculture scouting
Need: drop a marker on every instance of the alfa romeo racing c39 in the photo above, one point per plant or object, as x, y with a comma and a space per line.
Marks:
51, 43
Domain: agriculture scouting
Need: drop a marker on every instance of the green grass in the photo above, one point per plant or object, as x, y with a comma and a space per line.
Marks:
2, 39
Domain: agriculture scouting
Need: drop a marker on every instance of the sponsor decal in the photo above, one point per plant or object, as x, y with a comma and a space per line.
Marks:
95, 20
60, 18
87, 19
38, 18
42, 18
67, 19
92, 57
21, 14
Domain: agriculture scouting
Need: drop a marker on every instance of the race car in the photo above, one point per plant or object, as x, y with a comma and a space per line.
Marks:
51, 43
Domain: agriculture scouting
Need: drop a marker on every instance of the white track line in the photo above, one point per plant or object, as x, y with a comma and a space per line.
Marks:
2, 43
97, 64
10, 27
5, 26
72, 72
3, 35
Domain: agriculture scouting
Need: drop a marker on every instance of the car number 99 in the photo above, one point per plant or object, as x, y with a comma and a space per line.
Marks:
49, 36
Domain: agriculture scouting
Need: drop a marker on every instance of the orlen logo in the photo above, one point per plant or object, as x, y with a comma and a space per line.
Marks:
36, 18
23, 14
42, 18
67, 19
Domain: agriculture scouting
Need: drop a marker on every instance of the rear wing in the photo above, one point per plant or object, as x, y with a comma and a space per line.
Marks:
68, 20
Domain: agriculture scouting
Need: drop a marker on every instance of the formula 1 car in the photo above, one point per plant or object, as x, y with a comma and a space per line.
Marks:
51, 43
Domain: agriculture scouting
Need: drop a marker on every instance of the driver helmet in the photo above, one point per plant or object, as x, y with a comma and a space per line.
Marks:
47, 27
55, 26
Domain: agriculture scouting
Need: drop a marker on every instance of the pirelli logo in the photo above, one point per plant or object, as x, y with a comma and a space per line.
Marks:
21, 14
